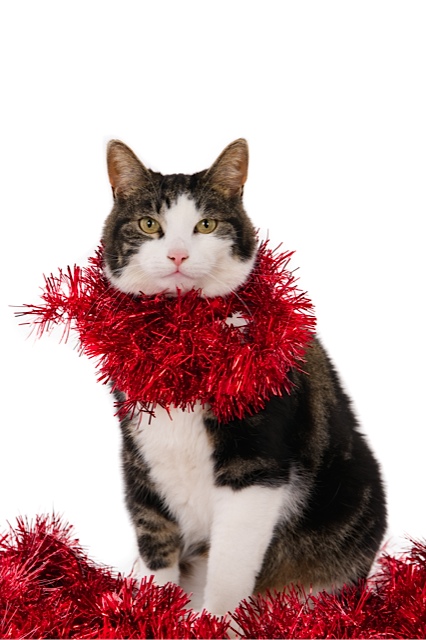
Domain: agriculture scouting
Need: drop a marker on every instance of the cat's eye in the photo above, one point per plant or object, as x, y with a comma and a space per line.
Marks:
206, 225
149, 225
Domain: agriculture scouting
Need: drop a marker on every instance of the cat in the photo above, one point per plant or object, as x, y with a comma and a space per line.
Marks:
291, 495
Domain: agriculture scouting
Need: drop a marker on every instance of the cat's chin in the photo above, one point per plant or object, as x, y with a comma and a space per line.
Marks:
178, 282
172, 293
206, 289
180, 287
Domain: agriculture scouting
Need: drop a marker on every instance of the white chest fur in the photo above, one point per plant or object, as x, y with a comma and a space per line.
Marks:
178, 451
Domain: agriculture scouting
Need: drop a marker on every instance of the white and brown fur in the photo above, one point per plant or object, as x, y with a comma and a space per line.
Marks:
290, 495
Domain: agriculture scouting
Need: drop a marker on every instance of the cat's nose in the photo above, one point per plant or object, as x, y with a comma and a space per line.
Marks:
178, 256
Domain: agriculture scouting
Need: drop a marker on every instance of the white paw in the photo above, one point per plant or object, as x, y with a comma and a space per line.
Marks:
161, 576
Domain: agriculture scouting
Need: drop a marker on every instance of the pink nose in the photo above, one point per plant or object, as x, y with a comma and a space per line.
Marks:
178, 256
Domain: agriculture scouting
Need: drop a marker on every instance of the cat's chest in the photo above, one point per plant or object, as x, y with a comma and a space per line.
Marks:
179, 454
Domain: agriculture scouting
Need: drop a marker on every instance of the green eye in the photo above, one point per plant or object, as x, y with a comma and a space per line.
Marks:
149, 225
207, 225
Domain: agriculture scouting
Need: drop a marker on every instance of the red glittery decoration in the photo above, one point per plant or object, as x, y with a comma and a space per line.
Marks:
49, 588
175, 351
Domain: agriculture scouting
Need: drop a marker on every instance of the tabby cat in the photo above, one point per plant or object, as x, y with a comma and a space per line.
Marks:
292, 494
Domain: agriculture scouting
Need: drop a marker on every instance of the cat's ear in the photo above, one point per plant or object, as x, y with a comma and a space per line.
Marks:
126, 172
229, 173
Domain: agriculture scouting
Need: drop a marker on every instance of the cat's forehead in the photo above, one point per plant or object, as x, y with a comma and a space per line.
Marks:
197, 193
169, 188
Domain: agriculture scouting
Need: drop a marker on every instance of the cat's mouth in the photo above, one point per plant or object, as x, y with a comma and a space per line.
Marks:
178, 281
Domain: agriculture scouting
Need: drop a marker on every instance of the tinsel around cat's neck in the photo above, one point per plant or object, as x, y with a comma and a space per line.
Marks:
177, 351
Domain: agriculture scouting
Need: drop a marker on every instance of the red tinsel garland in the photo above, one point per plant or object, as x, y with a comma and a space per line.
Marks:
50, 589
175, 351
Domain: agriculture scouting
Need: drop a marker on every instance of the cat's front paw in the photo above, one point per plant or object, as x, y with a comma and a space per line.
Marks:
161, 577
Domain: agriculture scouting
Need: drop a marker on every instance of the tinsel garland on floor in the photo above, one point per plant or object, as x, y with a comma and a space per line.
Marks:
49, 588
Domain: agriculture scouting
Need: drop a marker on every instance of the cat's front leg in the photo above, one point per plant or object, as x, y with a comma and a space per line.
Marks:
157, 533
158, 538
243, 525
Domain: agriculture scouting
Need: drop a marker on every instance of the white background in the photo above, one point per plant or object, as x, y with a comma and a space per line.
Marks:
332, 99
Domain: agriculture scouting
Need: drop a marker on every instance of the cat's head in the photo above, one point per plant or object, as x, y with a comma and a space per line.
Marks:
170, 232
